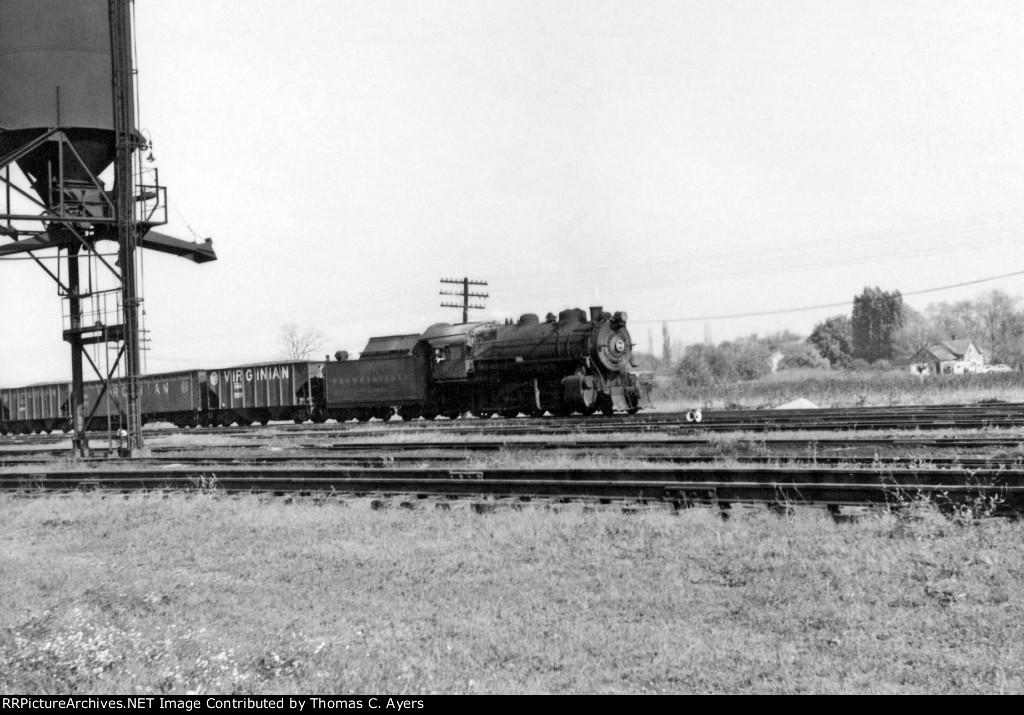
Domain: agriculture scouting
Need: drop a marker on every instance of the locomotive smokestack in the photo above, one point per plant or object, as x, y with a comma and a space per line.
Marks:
595, 313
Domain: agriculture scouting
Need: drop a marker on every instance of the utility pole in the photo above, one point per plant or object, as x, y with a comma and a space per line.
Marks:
466, 295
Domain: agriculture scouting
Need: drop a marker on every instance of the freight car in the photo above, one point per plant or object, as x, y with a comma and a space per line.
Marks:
36, 408
572, 363
237, 395
261, 393
166, 397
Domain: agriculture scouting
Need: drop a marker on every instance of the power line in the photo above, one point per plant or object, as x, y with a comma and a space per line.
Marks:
825, 305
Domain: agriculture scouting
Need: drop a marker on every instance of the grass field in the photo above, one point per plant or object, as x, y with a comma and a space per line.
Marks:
148, 594
828, 388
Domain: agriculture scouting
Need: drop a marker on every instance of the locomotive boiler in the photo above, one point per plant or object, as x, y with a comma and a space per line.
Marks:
574, 362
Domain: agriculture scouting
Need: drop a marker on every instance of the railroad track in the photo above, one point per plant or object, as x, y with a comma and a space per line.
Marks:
394, 449
380, 460
839, 419
1002, 490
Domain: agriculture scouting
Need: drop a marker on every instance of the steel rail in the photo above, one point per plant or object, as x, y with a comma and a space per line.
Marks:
677, 442
680, 485
378, 459
860, 418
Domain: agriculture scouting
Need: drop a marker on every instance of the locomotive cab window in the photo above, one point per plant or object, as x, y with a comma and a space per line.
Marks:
439, 355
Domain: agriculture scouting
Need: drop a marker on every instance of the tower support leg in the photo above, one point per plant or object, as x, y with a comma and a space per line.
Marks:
80, 441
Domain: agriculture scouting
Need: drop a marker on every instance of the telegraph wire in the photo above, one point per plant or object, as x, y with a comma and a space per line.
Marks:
844, 304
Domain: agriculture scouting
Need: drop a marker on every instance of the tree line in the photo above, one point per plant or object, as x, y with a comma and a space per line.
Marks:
882, 327
880, 330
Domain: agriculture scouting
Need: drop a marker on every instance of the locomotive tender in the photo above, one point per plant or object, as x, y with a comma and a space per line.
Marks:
572, 363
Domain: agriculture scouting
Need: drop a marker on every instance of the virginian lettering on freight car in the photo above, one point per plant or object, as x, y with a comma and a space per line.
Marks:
155, 388
266, 372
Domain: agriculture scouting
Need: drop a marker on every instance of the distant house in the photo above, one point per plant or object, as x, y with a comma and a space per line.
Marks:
952, 357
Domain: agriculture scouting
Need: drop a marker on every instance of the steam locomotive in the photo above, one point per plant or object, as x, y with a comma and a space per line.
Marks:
574, 362
562, 365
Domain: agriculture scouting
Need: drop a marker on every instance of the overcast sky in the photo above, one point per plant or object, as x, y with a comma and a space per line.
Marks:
676, 160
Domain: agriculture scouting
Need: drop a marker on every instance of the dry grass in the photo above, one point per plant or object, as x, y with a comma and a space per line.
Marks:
847, 389
206, 594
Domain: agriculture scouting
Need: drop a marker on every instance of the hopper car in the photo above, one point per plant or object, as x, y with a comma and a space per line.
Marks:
240, 395
573, 362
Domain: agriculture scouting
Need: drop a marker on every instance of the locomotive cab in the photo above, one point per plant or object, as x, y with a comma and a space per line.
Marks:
451, 348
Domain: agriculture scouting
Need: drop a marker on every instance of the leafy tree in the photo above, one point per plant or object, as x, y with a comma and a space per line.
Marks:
916, 332
697, 366
991, 320
877, 315
703, 365
833, 338
781, 340
953, 321
749, 359
803, 355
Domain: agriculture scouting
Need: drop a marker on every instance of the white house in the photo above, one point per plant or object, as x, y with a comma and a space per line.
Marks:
952, 357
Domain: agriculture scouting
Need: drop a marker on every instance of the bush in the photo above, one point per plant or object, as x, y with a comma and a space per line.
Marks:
706, 365
802, 355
